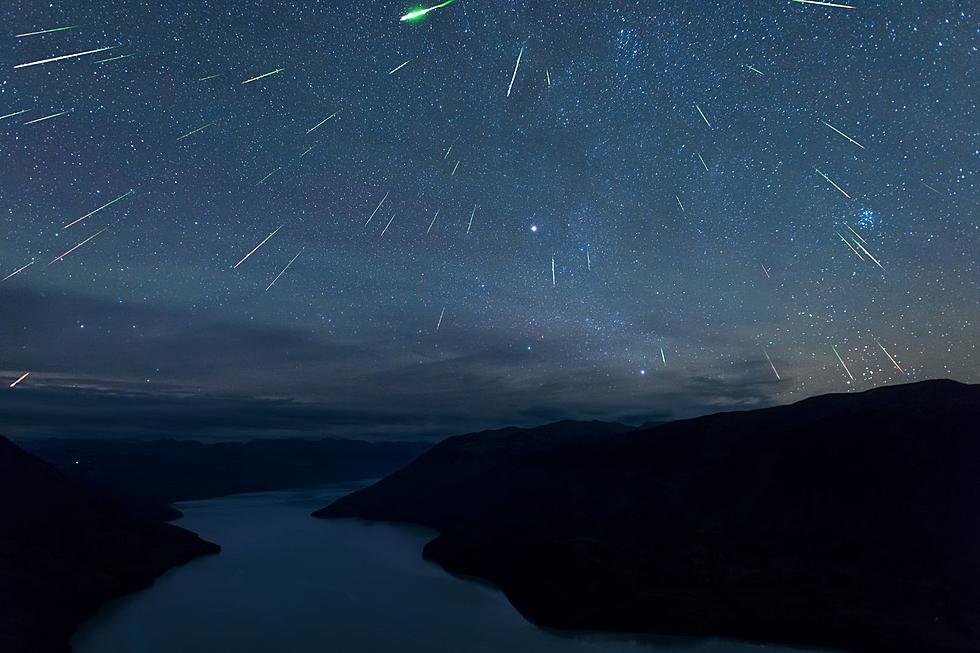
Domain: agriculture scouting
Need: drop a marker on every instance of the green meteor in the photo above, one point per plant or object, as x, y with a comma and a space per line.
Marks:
419, 12
46, 31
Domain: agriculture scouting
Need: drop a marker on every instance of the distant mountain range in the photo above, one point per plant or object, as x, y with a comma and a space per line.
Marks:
65, 550
148, 475
846, 521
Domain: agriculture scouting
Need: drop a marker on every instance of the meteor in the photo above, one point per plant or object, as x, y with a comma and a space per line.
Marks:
121, 56
204, 79
284, 269
703, 116
755, 70
22, 377
15, 113
307, 151
53, 115
58, 258
778, 378
471, 219
860, 237
201, 128
257, 246
662, 357
856, 253
433, 221
861, 247
64, 56
894, 362
516, 66
417, 14
399, 67
376, 210
107, 204
843, 134
46, 31
439, 323
588, 258
832, 183
922, 182
765, 269
321, 122
834, 347
454, 169
446, 155
383, 231
679, 202
547, 74
703, 163
262, 181
264, 75
823, 4
18, 270
554, 283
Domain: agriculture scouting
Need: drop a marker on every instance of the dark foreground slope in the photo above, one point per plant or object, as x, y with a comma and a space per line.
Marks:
149, 474
64, 551
847, 521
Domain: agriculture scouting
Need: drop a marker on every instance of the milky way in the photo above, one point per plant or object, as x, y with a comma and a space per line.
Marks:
643, 218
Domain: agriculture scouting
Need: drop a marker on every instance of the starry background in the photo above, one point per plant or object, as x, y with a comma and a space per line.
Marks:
673, 278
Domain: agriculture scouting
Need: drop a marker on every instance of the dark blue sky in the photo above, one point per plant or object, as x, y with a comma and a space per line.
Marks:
686, 247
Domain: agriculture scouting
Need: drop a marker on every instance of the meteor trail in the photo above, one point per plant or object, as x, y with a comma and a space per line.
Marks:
58, 258
679, 202
832, 183
257, 246
856, 253
376, 209
861, 247
823, 4
547, 74
284, 270
894, 362
433, 221
201, 128
471, 219
834, 347
439, 323
264, 75
383, 231
321, 122
755, 70
588, 258
121, 56
765, 269
46, 31
53, 115
454, 169
516, 66
778, 378
703, 163
109, 203
204, 79
15, 113
307, 151
18, 270
553, 281
662, 357
451, 145
262, 181
843, 134
860, 237
417, 14
22, 377
703, 116
399, 67
64, 56
921, 182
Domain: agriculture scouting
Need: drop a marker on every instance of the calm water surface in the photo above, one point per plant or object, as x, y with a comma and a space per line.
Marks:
289, 583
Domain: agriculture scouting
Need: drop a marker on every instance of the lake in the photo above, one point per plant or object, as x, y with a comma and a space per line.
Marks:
287, 582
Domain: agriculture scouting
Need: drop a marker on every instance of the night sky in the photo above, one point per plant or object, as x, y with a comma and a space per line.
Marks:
601, 250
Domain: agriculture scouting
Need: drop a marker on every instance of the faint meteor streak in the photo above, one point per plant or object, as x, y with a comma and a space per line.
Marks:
778, 378
255, 249
62, 57
383, 231
832, 183
679, 202
834, 347
439, 323
399, 67
921, 182
860, 237
703, 163
451, 145
471, 219
376, 210
58, 258
91, 213
53, 115
18, 270
207, 77
588, 258
765, 269
843, 134
416, 14
192, 132
22, 377
433, 221
307, 151
321, 122
262, 181
116, 58
15, 113
849, 246
283, 271
516, 66
861, 247
263, 75
823, 4
46, 31
894, 362
703, 117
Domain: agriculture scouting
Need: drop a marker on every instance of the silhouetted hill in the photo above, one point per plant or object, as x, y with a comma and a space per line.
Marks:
64, 551
149, 474
846, 521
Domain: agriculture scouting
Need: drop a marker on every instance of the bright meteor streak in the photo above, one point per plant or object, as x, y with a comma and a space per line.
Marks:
433, 221
321, 122
894, 362
107, 204
15, 113
703, 117
843, 134
376, 210
399, 67
53, 115
514, 76
755, 70
257, 247
46, 31
471, 219
823, 4
58, 258
417, 14
264, 75
22, 377
18, 271
201, 128
832, 183
834, 347
64, 56
778, 378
